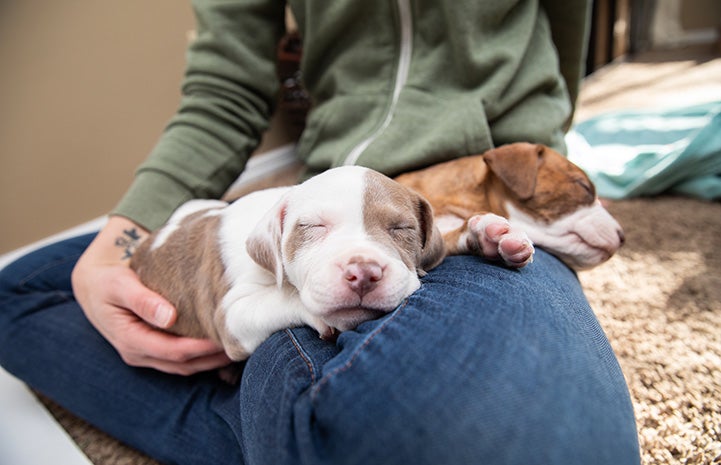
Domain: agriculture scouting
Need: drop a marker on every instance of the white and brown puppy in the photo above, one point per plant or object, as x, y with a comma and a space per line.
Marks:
345, 246
537, 189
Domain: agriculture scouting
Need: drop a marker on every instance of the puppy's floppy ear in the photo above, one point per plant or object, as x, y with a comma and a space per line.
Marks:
432, 246
516, 165
264, 243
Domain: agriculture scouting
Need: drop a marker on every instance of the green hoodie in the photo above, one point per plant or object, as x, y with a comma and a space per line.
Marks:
395, 85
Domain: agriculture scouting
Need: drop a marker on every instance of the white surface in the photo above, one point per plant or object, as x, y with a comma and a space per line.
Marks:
90, 226
29, 435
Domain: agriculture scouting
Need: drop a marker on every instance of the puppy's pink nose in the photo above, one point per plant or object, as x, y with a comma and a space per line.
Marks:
362, 276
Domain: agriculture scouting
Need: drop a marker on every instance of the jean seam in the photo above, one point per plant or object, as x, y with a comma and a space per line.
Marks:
348, 364
303, 355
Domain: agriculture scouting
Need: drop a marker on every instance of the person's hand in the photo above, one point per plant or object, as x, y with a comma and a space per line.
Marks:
128, 314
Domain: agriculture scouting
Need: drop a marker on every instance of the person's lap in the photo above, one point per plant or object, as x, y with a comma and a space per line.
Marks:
481, 365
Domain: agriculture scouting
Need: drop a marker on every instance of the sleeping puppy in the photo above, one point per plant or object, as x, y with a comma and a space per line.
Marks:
344, 247
535, 188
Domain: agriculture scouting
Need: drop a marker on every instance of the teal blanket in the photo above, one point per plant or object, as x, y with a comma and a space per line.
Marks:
635, 153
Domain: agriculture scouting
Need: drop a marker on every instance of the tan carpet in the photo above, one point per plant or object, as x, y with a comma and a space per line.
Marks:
659, 301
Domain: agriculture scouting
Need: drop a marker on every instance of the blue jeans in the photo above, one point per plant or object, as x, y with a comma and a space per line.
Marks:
482, 365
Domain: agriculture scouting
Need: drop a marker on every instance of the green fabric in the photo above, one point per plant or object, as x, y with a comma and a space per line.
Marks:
635, 153
482, 73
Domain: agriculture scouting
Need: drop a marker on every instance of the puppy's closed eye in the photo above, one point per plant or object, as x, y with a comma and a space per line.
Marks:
406, 235
312, 228
400, 229
588, 188
305, 232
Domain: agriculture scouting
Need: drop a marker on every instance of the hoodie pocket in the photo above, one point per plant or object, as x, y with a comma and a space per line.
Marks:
335, 127
424, 129
428, 129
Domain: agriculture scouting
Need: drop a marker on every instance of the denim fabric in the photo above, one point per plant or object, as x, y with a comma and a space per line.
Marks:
481, 365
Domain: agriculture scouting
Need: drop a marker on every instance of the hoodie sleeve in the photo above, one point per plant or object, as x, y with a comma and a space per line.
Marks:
228, 94
569, 29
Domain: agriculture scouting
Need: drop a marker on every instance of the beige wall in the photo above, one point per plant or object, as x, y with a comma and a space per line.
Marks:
86, 88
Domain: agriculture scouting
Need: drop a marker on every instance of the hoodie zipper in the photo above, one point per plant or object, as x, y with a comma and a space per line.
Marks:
404, 62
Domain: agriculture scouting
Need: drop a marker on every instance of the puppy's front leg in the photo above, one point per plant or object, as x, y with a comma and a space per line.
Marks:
490, 236
255, 312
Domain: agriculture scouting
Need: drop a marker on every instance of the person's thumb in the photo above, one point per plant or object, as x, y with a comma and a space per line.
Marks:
146, 304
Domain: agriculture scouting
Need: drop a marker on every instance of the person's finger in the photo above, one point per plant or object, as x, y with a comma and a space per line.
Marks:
138, 336
129, 292
144, 346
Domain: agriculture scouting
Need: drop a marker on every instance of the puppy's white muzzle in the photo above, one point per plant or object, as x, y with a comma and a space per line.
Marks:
358, 282
583, 239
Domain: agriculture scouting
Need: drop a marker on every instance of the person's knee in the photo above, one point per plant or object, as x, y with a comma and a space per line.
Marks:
484, 417
10, 291
9, 278
469, 373
25, 293
9, 317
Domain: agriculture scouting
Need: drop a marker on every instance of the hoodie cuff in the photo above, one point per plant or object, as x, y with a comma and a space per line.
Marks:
151, 199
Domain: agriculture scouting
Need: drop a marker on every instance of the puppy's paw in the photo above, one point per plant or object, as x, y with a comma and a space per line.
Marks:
496, 239
325, 332
329, 334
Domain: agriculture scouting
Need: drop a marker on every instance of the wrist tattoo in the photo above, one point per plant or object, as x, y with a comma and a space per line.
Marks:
129, 241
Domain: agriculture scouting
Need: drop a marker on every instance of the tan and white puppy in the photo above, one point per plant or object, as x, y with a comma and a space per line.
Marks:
537, 189
345, 246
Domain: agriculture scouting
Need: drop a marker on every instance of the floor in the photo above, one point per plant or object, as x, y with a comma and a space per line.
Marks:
660, 79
